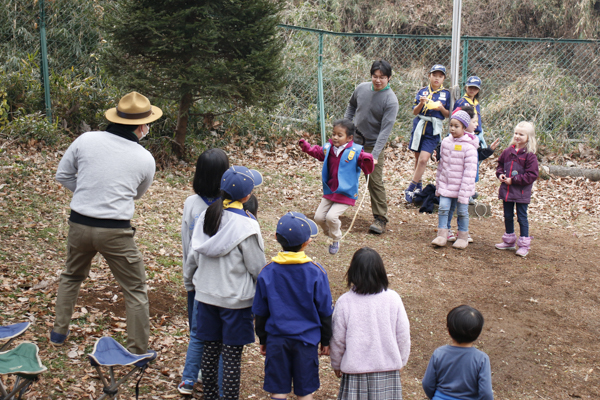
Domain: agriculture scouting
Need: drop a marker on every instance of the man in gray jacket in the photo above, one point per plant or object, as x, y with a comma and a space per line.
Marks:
373, 107
107, 171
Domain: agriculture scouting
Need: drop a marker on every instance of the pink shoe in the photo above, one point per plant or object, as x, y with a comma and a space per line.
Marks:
451, 236
524, 243
508, 242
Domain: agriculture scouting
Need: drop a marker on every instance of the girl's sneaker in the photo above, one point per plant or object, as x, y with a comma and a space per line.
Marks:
186, 387
334, 247
470, 239
451, 236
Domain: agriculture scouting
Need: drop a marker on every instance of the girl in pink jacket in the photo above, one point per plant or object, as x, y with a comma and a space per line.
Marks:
455, 180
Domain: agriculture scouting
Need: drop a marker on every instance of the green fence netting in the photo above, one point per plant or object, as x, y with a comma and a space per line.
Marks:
554, 83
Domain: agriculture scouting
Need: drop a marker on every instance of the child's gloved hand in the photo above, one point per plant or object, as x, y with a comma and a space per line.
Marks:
304, 145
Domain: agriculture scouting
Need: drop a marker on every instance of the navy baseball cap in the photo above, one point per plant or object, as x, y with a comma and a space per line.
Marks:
474, 81
239, 181
296, 228
438, 67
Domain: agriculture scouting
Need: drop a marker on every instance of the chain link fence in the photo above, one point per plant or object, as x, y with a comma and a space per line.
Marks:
72, 34
554, 83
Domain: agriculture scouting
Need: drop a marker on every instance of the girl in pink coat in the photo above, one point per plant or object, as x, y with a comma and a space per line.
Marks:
455, 180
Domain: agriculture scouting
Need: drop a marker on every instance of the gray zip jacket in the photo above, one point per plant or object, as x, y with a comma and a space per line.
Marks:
224, 267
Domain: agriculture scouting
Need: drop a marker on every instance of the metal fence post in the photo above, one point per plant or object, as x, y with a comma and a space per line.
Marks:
44, 63
320, 94
465, 61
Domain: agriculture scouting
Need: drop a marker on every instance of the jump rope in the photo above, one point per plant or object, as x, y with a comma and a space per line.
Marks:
357, 209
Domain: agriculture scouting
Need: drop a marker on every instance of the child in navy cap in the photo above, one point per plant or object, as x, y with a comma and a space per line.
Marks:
431, 107
226, 255
293, 309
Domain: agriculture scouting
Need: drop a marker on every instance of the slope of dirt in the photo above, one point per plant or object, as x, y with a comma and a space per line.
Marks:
542, 312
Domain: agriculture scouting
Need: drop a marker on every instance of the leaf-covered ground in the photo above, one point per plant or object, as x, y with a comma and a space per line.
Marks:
542, 312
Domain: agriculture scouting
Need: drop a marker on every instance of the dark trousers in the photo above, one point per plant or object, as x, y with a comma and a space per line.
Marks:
509, 217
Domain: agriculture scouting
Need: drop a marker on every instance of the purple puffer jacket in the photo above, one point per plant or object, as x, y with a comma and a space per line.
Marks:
457, 168
523, 168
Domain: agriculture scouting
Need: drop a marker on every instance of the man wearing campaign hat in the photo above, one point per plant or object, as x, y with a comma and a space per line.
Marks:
107, 171
293, 309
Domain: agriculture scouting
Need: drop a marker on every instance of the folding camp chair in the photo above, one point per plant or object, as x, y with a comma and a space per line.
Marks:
24, 362
109, 353
11, 332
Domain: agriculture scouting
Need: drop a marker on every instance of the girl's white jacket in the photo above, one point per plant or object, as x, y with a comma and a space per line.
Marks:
224, 267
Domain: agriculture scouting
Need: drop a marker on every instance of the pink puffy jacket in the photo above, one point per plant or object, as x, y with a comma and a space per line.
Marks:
457, 168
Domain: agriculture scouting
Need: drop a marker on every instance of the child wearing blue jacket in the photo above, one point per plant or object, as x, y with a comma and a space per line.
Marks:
431, 107
459, 371
293, 312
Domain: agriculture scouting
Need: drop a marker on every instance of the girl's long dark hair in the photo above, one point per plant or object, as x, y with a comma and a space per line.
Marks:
212, 218
210, 167
366, 274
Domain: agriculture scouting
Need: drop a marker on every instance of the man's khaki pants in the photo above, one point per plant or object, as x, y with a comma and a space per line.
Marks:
376, 188
127, 266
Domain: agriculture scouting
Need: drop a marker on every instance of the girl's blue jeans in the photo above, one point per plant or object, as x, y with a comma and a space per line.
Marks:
446, 209
193, 357
509, 217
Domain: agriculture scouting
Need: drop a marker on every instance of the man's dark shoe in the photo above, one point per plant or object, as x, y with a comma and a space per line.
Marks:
58, 339
378, 226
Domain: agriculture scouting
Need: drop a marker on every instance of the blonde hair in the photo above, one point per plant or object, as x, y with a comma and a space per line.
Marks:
531, 146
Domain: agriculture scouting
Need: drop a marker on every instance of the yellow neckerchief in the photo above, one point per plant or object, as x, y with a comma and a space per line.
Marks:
430, 96
432, 92
291, 257
473, 103
232, 204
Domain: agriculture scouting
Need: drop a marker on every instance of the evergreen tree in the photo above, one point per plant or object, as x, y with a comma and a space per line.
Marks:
224, 51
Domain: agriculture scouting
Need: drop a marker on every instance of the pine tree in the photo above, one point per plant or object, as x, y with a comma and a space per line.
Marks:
224, 51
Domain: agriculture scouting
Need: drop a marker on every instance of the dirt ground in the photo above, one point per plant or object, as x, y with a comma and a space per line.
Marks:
542, 318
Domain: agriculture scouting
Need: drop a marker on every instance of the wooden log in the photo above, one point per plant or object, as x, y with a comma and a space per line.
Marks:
591, 174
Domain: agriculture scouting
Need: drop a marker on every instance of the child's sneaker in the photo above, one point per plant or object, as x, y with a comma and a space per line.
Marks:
334, 247
451, 236
470, 239
409, 192
186, 387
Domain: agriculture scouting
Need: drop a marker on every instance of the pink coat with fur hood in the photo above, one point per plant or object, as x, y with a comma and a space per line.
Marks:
457, 168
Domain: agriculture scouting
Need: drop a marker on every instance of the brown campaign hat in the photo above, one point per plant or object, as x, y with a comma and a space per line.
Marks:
133, 109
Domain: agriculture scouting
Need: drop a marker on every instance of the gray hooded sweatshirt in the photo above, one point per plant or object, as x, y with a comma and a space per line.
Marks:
223, 268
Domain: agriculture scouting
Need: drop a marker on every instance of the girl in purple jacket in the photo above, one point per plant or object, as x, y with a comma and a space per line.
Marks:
517, 170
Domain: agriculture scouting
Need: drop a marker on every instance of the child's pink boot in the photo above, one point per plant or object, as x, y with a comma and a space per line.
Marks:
508, 242
441, 239
524, 243
462, 240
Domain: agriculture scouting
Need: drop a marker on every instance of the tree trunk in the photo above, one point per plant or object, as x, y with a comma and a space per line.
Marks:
591, 174
182, 123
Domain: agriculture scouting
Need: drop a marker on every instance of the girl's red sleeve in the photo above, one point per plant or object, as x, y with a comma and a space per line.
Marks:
314, 151
500, 166
365, 162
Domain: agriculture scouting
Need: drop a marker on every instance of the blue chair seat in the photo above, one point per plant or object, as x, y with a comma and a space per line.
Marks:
109, 353
12, 331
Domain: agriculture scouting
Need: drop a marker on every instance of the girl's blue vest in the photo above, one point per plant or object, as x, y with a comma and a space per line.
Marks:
348, 171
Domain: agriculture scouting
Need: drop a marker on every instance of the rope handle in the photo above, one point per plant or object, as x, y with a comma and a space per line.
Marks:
358, 209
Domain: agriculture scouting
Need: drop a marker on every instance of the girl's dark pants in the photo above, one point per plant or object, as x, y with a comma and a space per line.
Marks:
509, 218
